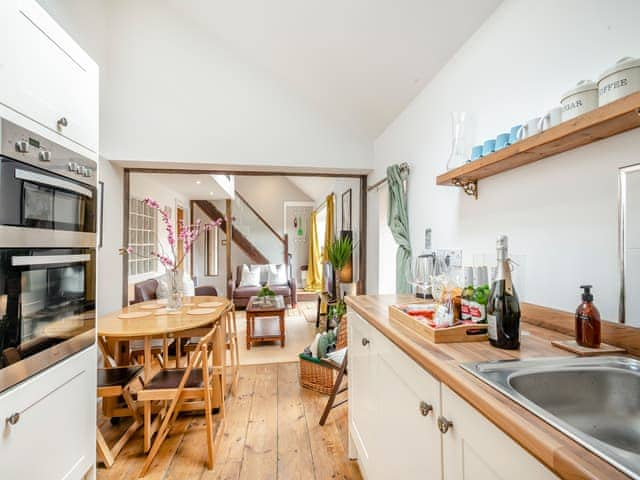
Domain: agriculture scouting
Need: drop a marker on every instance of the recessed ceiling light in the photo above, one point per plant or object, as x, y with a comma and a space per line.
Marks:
210, 193
198, 182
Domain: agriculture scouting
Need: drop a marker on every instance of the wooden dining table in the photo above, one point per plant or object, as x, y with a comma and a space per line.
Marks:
196, 317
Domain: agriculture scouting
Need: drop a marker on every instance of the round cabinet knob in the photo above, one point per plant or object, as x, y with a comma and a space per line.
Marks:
444, 425
63, 122
13, 419
365, 342
425, 408
22, 146
45, 156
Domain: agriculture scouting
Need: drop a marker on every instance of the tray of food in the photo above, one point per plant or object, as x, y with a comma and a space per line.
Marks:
429, 321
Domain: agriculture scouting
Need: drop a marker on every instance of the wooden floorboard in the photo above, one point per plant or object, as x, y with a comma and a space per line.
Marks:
271, 432
294, 453
260, 451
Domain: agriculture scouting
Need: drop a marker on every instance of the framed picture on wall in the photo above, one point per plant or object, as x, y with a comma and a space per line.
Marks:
212, 267
346, 210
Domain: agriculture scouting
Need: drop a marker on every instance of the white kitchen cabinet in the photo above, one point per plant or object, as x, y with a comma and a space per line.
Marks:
45, 76
54, 436
393, 405
408, 404
362, 389
474, 448
392, 437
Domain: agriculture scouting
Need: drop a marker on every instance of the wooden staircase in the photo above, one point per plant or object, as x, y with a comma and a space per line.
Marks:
236, 235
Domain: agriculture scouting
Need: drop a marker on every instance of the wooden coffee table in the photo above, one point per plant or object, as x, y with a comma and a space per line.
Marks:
270, 320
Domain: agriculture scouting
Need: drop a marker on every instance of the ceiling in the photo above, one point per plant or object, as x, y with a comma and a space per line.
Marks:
360, 62
192, 186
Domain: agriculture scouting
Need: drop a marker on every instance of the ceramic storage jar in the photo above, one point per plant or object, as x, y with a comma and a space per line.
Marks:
619, 81
579, 100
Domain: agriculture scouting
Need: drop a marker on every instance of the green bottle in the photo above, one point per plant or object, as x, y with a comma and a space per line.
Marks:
478, 305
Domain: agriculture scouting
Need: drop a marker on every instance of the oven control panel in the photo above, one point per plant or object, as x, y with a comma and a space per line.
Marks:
23, 145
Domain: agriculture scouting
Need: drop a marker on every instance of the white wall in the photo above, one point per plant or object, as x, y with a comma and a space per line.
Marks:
561, 212
267, 195
109, 263
178, 95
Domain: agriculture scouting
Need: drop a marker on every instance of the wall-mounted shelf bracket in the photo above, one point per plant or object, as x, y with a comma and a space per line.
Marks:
470, 187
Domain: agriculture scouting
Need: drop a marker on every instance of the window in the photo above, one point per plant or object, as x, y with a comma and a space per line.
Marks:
142, 237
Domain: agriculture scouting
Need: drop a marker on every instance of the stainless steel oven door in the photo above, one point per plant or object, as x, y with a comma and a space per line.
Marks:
47, 308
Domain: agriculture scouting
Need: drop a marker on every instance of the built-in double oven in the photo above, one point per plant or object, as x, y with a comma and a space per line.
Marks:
48, 210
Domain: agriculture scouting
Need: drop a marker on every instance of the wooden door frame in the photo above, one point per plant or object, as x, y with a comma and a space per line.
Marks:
362, 264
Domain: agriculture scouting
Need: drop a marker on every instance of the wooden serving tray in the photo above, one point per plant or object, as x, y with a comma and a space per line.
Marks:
460, 333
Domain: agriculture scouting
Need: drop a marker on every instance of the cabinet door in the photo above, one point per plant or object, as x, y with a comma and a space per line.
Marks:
44, 75
411, 444
362, 390
54, 436
475, 449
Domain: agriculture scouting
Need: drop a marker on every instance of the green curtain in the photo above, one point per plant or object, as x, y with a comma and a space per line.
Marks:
398, 221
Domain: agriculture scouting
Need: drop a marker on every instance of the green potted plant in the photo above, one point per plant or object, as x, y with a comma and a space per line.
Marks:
266, 294
338, 254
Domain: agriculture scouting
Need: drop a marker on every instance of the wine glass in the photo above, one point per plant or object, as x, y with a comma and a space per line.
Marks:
421, 271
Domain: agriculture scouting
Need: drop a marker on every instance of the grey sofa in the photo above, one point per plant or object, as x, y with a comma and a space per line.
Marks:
241, 295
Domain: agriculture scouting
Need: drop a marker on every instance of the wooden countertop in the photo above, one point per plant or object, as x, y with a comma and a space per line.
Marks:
559, 453
155, 324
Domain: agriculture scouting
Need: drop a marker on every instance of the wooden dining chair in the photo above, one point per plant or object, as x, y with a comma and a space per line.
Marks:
231, 343
159, 350
114, 382
197, 383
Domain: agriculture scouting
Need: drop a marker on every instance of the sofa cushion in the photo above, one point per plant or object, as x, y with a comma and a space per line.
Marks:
250, 276
277, 274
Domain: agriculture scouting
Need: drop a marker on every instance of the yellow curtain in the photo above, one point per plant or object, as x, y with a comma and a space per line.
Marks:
314, 272
328, 230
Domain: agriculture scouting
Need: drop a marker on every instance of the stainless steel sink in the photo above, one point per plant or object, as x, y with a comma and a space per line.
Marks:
595, 401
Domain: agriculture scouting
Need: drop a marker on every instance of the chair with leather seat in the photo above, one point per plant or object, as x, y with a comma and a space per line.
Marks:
145, 291
113, 383
190, 388
206, 291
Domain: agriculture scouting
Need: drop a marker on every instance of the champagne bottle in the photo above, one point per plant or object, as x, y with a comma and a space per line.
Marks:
503, 308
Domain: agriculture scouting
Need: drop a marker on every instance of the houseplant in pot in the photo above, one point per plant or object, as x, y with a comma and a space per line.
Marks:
338, 253
266, 295
173, 260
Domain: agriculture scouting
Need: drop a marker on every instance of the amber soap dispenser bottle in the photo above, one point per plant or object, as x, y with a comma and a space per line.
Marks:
587, 320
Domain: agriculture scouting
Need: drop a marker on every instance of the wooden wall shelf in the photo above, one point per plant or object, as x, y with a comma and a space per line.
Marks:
606, 121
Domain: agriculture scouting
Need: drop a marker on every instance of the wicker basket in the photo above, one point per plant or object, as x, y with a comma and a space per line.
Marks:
315, 375
341, 340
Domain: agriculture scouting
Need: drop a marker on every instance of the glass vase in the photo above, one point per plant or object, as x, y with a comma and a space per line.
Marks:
174, 298
459, 135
